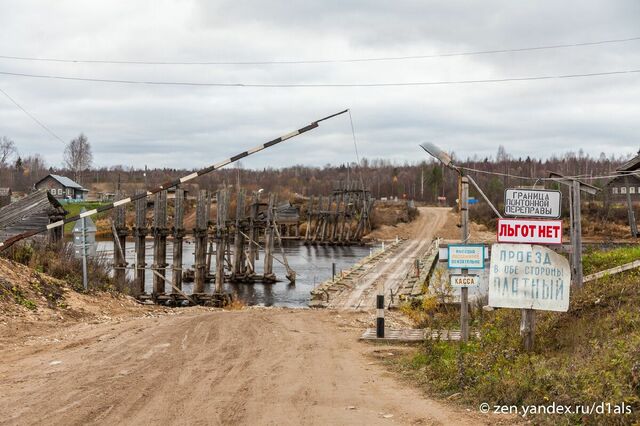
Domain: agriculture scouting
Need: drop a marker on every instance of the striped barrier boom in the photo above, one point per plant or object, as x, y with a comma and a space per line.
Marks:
10, 241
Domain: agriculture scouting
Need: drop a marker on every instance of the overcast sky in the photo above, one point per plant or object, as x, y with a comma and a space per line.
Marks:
181, 126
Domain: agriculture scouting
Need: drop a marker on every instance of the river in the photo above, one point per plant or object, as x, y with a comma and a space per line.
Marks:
311, 263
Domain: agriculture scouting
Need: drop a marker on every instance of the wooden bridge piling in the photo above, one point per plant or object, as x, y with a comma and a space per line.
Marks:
160, 232
140, 232
269, 241
200, 236
178, 238
120, 244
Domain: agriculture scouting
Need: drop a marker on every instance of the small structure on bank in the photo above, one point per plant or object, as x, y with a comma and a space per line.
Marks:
30, 213
341, 218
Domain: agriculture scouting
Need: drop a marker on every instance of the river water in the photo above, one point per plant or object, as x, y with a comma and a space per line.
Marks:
311, 263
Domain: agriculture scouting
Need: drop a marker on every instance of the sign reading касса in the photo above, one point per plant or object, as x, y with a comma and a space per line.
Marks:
532, 203
528, 277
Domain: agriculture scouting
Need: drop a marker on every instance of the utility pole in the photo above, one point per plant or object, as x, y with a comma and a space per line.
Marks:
464, 291
576, 234
631, 214
575, 188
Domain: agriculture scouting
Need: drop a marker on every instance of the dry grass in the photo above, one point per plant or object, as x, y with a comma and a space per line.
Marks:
589, 354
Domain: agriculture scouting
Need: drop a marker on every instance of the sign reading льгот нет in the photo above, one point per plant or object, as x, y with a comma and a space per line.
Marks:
542, 203
528, 277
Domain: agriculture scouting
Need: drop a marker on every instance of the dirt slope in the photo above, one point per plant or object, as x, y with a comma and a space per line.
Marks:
256, 366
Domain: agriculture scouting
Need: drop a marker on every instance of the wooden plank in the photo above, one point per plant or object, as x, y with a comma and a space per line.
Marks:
612, 271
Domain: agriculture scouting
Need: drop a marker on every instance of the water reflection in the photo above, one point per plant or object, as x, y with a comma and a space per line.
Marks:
311, 263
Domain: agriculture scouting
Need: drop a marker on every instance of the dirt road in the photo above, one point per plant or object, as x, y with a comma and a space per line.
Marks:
390, 271
256, 366
199, 366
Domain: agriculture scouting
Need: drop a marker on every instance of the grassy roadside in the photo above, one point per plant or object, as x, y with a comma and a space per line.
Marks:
590, 354
75, 208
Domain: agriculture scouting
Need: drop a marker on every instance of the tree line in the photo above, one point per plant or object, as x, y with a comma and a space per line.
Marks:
425, 180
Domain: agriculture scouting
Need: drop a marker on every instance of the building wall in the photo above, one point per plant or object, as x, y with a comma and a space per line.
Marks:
56, 188
618, 188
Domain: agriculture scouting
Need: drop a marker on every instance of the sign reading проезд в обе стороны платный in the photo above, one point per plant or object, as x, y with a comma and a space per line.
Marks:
528, 277
532, 203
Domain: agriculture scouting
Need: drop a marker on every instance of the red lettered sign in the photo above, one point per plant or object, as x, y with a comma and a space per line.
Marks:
529, 231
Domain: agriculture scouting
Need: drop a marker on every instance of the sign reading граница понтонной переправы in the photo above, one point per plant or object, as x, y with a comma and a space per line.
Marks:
541, 203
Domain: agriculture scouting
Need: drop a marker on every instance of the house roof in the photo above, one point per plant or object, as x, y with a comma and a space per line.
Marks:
22, 215
65, 181
630, 165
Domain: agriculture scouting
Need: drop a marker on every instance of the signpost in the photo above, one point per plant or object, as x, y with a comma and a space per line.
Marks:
530, 231
541, 203
525, 276
458, 280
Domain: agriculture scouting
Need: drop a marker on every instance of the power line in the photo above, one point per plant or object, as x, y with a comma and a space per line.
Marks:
323, 61
31, 116
320, 85
581, 177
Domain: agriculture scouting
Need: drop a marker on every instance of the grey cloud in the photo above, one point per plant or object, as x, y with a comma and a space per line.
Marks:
189, 127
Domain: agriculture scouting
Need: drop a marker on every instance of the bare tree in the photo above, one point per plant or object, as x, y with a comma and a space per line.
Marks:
78, 156
7, 150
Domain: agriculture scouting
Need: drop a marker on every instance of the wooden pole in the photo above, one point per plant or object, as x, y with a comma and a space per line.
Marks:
318, 216
324, 213
221, 232
120, 241
307, 233
527, 328
464, 291
268, 241
630, 213
140, 232
238, 241
334, 218
200, 234
160, 233
253, 233
178, 237
576, 237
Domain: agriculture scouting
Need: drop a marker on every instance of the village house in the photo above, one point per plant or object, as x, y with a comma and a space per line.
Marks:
627, 183
62, 187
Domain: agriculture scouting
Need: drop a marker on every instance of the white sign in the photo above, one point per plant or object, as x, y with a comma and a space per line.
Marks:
466, 256
465, 281
532, 203
530, 231
529, 277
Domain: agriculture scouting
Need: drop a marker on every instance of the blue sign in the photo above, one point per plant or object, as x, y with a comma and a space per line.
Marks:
465, 256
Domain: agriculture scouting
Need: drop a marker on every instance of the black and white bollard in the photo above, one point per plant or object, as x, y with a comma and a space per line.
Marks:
380, 316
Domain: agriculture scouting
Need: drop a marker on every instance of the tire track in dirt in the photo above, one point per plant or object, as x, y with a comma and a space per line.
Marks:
258, 366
